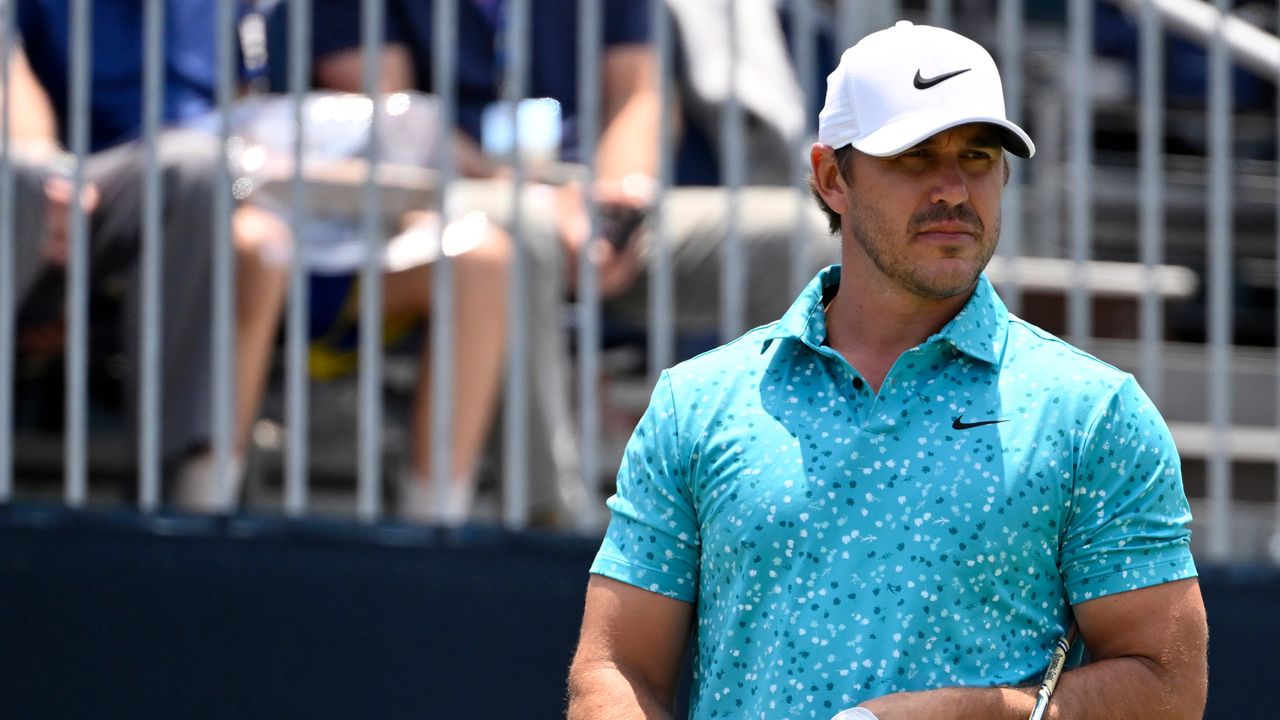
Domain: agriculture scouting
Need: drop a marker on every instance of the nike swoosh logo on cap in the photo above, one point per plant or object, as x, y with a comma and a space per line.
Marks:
923, 83
959, 424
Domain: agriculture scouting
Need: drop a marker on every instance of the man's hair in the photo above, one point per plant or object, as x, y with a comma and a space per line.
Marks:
844, 161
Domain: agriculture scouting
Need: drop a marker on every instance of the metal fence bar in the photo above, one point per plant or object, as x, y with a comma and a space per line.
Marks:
1275, 537
152, 254
940, 13
804, 42
590, 36
224, 271
369, 475
662, 292
1220, 273
8, 295
1080, 22
1151, 182
857, 18
515, 502
850, 24
77, 312
1250, 46
1011, 72
296, 332
444, 78
732, 169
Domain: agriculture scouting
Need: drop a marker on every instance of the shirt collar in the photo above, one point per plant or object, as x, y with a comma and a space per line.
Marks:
806, 319
978, 330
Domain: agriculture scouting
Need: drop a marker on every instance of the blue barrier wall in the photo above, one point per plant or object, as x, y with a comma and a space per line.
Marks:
121, 616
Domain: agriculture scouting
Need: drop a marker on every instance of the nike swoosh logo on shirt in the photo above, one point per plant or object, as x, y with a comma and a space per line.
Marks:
959, 424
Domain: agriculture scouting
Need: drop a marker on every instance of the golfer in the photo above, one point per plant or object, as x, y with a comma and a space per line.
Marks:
897, 497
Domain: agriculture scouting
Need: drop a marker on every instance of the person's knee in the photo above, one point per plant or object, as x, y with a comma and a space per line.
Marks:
478, 245
495, 250
261, 238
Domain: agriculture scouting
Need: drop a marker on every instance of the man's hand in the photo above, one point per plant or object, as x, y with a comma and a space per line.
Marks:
58, 192
617, 261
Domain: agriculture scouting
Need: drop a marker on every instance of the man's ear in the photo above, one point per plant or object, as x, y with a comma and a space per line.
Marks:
828, 180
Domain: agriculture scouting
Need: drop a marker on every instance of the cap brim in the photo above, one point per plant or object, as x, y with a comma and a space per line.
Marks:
908, 132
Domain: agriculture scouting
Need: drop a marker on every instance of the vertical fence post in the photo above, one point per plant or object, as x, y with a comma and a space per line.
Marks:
224, 269
1011, 72
77, 386
732, 170
515, 495
296, 332
369, 476
444, 78
8, 295
149, 400
1079, 316
804, 42
590, 35
661, 273
1151, 182
1220, 273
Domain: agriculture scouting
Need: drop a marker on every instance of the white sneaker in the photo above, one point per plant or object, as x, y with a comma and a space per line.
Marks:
196, 486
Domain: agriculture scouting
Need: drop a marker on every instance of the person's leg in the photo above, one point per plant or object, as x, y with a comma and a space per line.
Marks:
36, 214
480, 277
262, 278
189, 174
556, 492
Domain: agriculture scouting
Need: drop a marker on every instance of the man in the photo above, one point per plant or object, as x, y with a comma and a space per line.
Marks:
188, 159
898, 496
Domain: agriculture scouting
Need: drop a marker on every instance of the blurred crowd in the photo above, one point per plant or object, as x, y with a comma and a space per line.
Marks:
476, 234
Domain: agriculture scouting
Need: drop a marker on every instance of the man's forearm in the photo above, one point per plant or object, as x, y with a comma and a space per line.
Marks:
604, 692
1118, 688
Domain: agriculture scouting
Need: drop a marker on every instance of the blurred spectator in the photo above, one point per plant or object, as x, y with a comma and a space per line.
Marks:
744, 44
39, 71
626, 152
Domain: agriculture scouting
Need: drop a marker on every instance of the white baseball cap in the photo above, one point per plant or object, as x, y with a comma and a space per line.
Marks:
901, 85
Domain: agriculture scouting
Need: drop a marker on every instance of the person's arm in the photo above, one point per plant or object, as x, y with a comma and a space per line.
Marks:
629, 139
629, 654
33, 123
1148, 651
343, 70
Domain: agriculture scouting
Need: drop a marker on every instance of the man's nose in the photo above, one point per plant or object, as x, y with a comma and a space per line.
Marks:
949, 183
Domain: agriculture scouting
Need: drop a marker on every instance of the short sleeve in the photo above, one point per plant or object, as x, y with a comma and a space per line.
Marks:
626, 22
1129, 522
336, 26
652, 541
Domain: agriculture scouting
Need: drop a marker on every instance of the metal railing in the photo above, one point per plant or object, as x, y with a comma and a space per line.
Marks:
1066, 136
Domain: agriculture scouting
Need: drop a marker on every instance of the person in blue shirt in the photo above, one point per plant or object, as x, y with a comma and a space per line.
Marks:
188, 159
894, 500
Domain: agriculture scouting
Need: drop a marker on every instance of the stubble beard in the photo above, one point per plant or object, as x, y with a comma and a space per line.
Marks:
872, 233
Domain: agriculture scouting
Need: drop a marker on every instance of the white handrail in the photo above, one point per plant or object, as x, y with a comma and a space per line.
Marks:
1196, 20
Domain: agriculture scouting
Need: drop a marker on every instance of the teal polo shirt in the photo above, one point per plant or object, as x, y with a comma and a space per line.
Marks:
842, 544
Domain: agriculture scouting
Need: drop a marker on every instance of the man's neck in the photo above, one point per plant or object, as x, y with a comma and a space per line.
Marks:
872, 323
